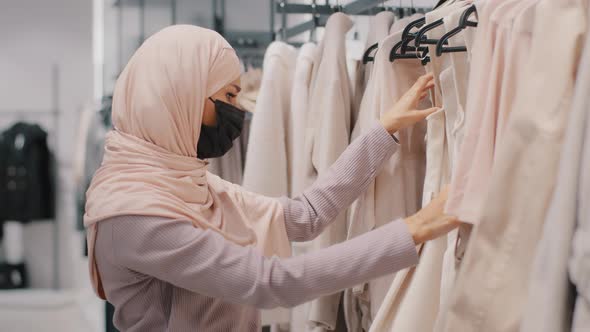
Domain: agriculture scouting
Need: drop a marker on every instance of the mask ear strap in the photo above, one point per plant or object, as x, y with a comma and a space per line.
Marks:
213, 101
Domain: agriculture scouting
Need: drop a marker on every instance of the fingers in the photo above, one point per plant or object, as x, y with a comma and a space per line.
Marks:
424, 95
424, 82
422, 114
420, 89
444, 192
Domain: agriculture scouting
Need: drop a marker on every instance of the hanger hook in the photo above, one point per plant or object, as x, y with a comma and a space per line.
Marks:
312, 33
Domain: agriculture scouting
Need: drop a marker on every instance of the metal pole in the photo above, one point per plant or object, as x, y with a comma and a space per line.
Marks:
173, 11
223, 17
120, 35
272, 20
141, 21
284, 21
56, 221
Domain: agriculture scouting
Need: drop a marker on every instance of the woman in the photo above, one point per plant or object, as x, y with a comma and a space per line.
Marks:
175, 248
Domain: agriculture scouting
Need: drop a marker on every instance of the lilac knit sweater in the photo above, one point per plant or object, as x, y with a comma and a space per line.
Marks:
170, 276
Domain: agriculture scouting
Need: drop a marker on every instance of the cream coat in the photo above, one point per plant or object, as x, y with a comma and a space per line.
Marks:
268, 173
327, 136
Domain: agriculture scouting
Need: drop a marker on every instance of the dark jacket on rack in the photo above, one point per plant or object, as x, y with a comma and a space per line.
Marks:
26, 174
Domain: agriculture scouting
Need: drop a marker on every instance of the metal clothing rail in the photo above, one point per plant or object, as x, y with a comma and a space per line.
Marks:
321, 13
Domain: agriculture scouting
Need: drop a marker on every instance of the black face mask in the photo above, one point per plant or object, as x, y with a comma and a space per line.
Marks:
216, 141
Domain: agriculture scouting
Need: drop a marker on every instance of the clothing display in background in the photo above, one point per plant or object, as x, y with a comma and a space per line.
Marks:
378, 29
27, 193
401, 179
297, 127
267, 167
250, 84
298, 114
327, 136
27, 185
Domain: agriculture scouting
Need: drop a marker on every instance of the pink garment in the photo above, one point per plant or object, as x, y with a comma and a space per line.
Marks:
484, 132
498, 260
481, 60
455, 115
517, 21
397, 189
327, 136
150, 166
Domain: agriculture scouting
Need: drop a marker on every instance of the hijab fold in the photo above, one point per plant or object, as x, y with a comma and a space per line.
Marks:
150, 166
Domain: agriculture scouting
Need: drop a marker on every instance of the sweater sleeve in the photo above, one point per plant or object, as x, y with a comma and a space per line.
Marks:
204, 262
308, 214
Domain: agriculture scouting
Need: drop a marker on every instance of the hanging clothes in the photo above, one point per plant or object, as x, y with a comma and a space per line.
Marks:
297, 126
551, 295
412, 302
479, 84
490, 292
27, 184
378, 29
397, 189
267, 172
327, 136
483, 133
250, 84
300, 95
459, 69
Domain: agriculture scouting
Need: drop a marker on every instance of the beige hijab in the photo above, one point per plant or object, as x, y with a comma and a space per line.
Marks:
150, 166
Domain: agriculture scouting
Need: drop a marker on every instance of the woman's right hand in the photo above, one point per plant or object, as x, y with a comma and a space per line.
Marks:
431, 222
404, 113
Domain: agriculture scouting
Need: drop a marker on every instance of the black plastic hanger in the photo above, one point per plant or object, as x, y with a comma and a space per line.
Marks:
440, 3
421, 37
367, 55
414, 24
463, 23
402, 46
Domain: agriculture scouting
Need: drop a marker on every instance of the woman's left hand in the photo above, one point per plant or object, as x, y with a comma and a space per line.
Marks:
431, 222
404, 113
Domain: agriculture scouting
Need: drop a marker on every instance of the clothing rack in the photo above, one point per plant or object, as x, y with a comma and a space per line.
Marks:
322, 12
